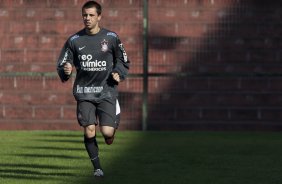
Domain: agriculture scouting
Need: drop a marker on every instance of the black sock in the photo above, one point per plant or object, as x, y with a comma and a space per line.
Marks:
92, 150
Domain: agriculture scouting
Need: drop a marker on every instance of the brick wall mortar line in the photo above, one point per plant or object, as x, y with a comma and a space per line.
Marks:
62, 112
33, 112
44, 82
15, 82
4, 111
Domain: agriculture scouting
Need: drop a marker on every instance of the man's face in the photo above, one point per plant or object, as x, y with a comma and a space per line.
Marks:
90, 18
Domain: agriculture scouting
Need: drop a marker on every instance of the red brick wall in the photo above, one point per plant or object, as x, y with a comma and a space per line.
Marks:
231, 53
228, 49
31, 36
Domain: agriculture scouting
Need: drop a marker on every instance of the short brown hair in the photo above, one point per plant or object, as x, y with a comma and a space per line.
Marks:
93, 4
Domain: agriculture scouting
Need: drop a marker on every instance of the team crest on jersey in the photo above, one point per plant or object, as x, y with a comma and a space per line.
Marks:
104, 45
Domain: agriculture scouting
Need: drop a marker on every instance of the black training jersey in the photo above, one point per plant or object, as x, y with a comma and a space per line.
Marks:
95, 57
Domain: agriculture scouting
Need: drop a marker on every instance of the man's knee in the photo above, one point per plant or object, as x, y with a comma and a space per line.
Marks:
90, 131
108, 131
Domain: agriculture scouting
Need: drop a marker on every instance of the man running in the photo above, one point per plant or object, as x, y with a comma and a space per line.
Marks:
101, 63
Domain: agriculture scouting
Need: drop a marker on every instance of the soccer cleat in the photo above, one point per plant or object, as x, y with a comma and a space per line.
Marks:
109, 140
98, 173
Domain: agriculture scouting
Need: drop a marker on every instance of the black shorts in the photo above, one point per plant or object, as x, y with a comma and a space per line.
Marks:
104, 113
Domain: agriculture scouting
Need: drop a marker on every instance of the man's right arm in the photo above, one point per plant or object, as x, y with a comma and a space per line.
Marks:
64, 64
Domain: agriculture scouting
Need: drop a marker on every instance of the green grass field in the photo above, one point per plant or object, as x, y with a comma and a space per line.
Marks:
41, 157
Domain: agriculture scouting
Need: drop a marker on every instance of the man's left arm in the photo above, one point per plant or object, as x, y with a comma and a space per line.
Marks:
121, 65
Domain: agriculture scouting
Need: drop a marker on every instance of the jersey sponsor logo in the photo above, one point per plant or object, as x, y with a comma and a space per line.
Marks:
88, 64
104, 45
123, 52
89, 89
92, 64
112, 34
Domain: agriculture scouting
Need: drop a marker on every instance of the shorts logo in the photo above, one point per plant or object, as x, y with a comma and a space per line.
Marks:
104, 45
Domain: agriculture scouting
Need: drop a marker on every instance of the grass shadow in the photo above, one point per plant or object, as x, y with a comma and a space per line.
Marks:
53, 156
34, 166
